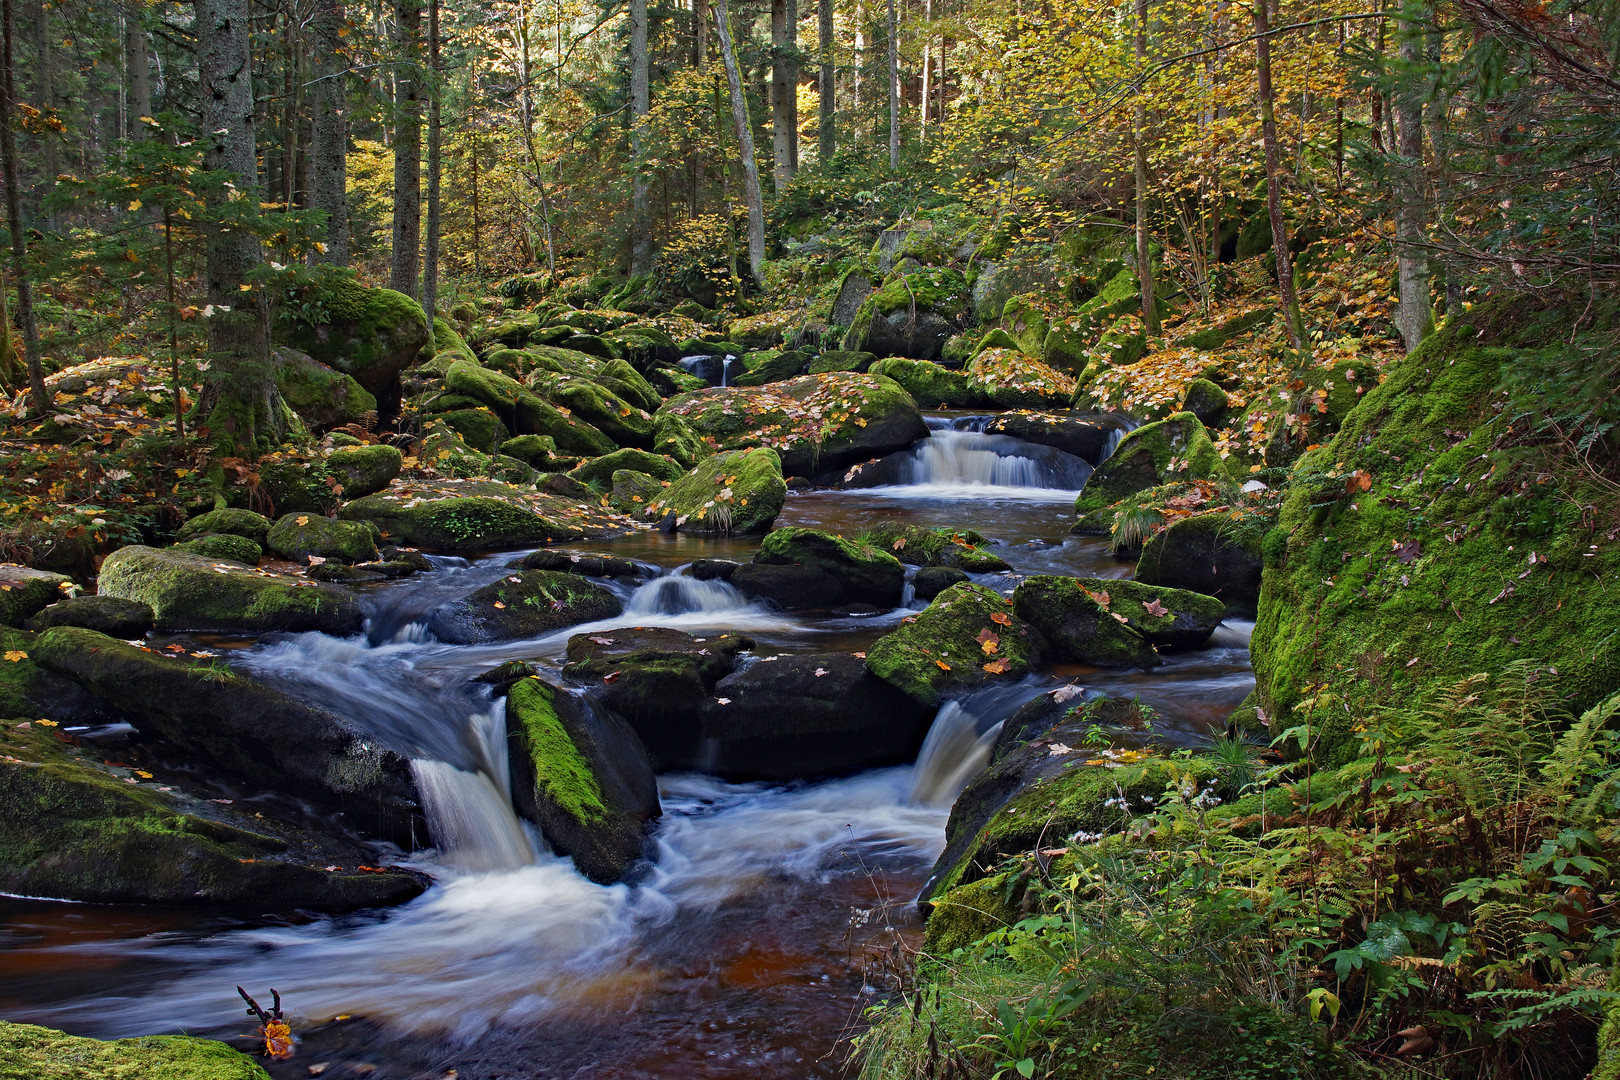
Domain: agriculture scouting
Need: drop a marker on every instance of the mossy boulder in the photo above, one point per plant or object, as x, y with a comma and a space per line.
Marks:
539, 452
632, 491
446, 338
594, 404
930, 385
481, 515
1209, 554
737, 492
36, 1053
191, 592
763, 331
1025, 321
962, 549
912, 314
480, 428
228, 520
574, 562
967, 637
1079, 624
1318, 408
1175, 448
1429, 541
768, 366
600, 470
841, 360
227, 721
24, 592
961, 916
1229, 330
657, 679
300, 537
1207, 401
524, 604
524, 412
674, 437
1010, 380
844, 571
323, 397
582, 775
110, 615
223, 546
629, 384
364, 470
371, 334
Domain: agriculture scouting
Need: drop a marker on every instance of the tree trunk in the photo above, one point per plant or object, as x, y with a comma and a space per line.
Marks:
430, 265
894, 88
745, 144
700, 31
927, 67
827, 137
241, 407
1415, 316
41, 397
640, 105
782, 92
1268, 136
1144, 257
407, 149
139, 65
45, 92
329, 150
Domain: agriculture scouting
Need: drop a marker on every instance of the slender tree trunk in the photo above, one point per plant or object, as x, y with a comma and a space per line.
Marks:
894, 88
45, 92
430, 265
173, 319
41, 397
827, 87
1268, 136
793, 85
240, 405
700, 32
745, 144
860, 65
138, 63
781, 93
478, 219
329, 149
1415, 316
640, 105
1144, 257
407, 252
927, 67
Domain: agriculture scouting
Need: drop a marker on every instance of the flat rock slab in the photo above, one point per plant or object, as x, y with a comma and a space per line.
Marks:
481, 515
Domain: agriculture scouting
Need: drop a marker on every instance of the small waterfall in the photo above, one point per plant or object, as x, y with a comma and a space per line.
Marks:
677, 594
714, 370
954, 752
1110, 445
958, 457
470, 813
725, 370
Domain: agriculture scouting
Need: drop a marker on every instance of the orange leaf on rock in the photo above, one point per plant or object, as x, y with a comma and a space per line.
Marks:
943, 666
996, 667
1001, 618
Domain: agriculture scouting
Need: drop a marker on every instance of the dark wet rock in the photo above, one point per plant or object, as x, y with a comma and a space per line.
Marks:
110, 615
713, 569
933, 580
229, 722
573, 562
859, 572
223, 546
945, 646
190, 592
300, 537
1083, 436
229, 521
524, 604
1206, 555
790, 588
1079, 624
583, 776
336, 573
24, 592
504, 674
809, 714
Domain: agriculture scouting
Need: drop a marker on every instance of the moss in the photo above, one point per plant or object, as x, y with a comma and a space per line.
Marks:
228, 520
223, 546
539, 451
559, 768
868, 573
447, 339
967, 913
300, 536
24, 591
771, 365
620, 421
1024, 324
764, 331
1011, 380
934, 288
630, 491
629, 384
191, 592
371, 334
480, 515
959, 548
940, 649
1216, 337
931, 385
110, 615
1175, 448
840, 360
479, 429
1206, 401
1079, 623
600, 470
321, 396
674, 437
1317, 408
737, 492
524, 412
36, 1053
364, 469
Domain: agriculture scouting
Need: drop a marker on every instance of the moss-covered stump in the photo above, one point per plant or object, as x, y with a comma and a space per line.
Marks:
223, 546
1010, 380
737, 492
110, 615
818, 423
811, 714
524, 604
229, 521
230, 722
967, 637
364, 470
371, 334
1081, 622
24, 592
191, 592
841, 360
301, 537
932, 386
1175, 448
1209, 554
36, 1053
658, 680
962, 549
1433, 539
481, 515
861, 572
323, 397
1086, 437
600, 470
74, 828
583, 776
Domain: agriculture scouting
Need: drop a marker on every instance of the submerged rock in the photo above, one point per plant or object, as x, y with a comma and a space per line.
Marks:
190, 592
583, 776
525, 604
481, 515
968, 636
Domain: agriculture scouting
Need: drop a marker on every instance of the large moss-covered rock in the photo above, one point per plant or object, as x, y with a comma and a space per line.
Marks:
596, 405
1078, 623
364, 470
76, 828
658, 680
600, 470
788, 717
190, 592
301, 536
858, 572
962, 549
817, 423
223, 546
737, 492
630, 492
932, 386
583, 776
110, 615
967, 637
36, 1053
24, 591
629, 384
1209, 554
768, 366
912, 314
674, 437
1175, 448
371, 334
841, 360
1318, 408
228, 520
525, 604
481, 515
229, 722
1010, 380
323, 397
524, 412
1424, 543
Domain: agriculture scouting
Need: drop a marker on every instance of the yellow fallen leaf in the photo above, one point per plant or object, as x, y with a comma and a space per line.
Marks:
302, 519
15, 655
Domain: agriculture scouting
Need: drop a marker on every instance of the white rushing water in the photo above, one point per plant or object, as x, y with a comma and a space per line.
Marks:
952, 464
956, 750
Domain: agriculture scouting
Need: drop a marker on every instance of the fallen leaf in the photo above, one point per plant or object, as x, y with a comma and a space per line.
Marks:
997, 667
1120, 617
15, 655
723, 700
301, 519
499, 604
1065, 693
602, 640
1001, 618
820, 671
1156, 609
943, 666
1057, 749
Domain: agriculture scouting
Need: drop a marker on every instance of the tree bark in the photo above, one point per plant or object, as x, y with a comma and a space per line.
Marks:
329, 150
894, 88
45, 93
242, 409
1415, 315
407, 149
927, 67
1268, 136
430, 264
700, 31
139, 65
640, 105
745, 144
40, 396
782, 93
1144, 257
827, 135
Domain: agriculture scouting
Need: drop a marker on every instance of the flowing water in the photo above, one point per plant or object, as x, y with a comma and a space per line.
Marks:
751, 945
